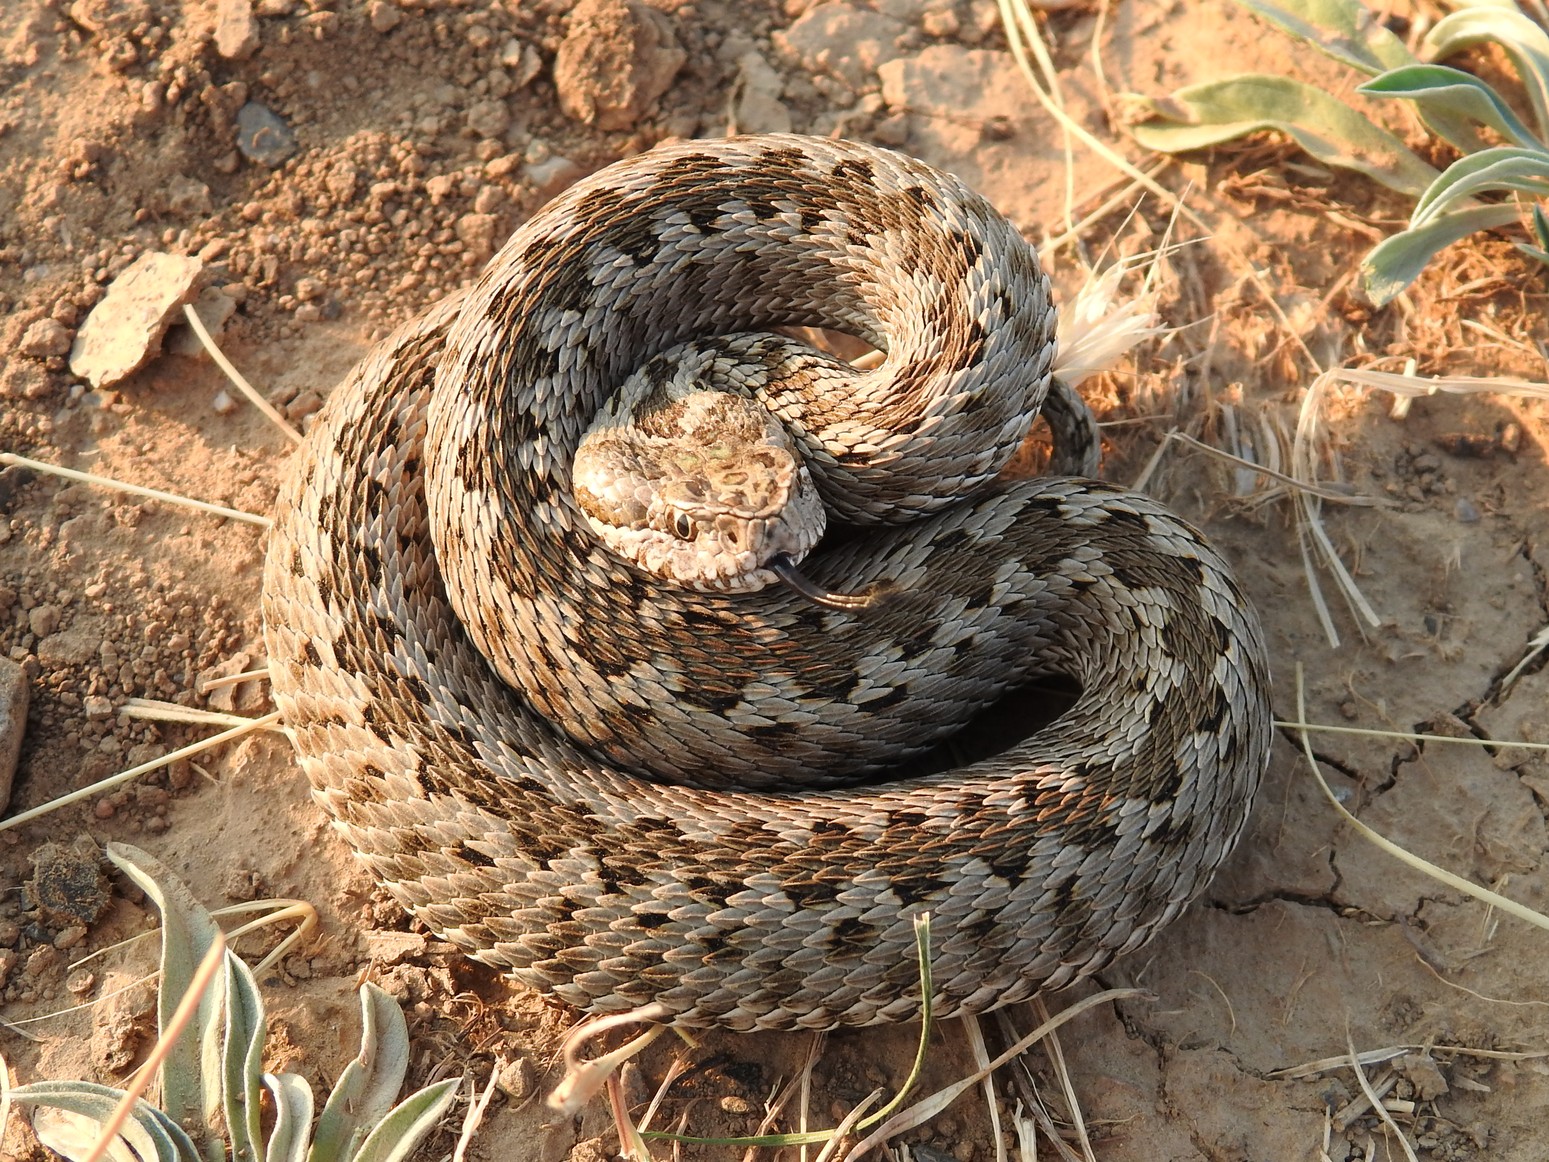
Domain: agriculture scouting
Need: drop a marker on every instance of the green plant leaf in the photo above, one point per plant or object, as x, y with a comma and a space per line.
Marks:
1500, 170
397, 1135
1342, 29
1396, 262
288, 1140
190, 1092
1519, 37
242, 1045
1209, 114
1451, 92
147, 1131
367, 1086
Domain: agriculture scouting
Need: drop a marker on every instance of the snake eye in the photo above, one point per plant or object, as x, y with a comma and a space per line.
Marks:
683, 527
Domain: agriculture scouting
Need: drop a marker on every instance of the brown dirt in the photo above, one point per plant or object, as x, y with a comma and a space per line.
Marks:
421, 143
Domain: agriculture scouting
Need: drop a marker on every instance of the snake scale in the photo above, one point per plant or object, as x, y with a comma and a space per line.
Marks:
626, 790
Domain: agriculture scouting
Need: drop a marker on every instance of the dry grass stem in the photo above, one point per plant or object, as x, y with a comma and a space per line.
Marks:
16, 1026
474, 1116
927, 1108
259, 675
1387, 1118
1413, 386
631, 1146
184, 1013
1126, 193
1439, 874
583, 1078
1304, 457
155, 710
10, 458
236, 377
1322, 491
275, 911
981, 1056
831, 1148
248, 726
1536, 646
1410, 736
1056, 1053
1389, 1053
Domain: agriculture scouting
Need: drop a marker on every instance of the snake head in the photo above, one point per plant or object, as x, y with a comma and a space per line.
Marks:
700, 487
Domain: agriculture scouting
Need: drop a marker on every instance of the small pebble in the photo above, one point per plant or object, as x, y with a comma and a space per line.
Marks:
46, 337
43, 620
488, 118
1465, 511
236, 30
384, 16
515, 1078
262, 136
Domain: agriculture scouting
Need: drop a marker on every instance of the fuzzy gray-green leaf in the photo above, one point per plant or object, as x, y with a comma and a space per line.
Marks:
147, 1131
367, 1086
1209, 114
1342, 29
1396, 262
1520, 38
1452, 93
1500, 170
242, 1045
292, 1117
188, 1092
397, 1135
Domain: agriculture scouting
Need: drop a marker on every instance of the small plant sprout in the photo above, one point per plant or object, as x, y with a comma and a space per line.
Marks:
1503, 167
208, 1072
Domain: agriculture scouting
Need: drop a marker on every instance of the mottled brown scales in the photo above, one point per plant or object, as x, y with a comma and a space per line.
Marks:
614, 786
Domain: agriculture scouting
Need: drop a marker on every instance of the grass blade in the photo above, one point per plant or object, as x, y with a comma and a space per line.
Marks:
242, 1044
148, 1131
1505, 168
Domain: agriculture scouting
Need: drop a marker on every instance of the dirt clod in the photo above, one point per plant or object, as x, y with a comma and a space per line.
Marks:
68, 886
616, 61
124, 330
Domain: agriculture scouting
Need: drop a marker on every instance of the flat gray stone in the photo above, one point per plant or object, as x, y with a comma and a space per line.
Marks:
263, 136
14, 693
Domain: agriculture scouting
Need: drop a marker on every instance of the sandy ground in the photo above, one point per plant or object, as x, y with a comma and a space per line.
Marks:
425, 130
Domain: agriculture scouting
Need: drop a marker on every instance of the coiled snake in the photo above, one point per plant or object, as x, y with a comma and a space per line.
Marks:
629, 788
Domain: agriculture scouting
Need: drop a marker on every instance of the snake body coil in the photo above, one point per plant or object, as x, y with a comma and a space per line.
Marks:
628, 792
